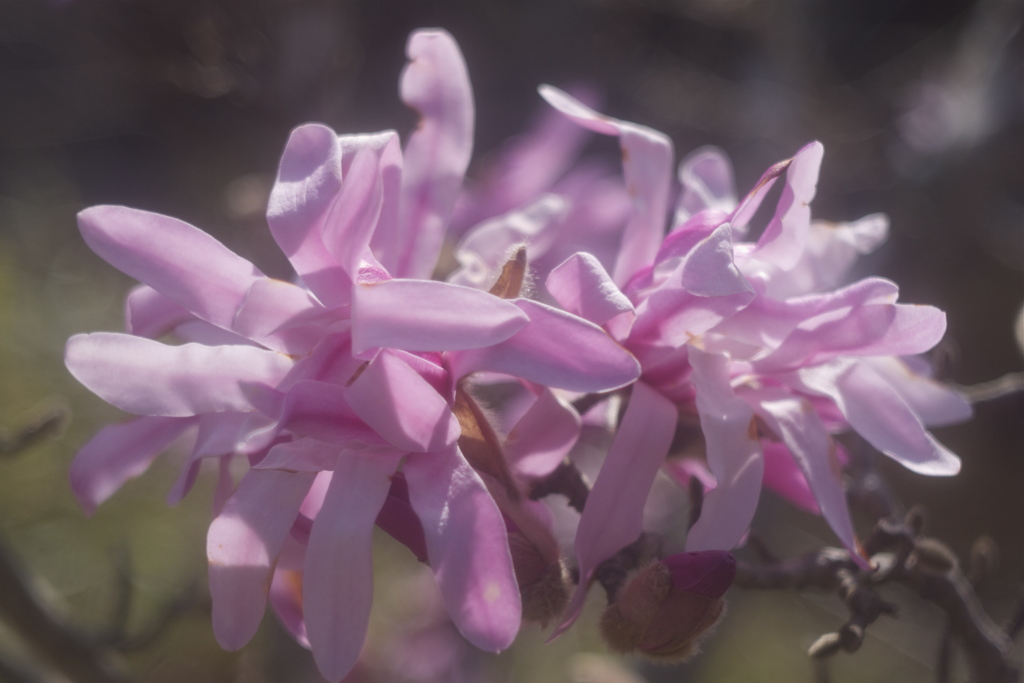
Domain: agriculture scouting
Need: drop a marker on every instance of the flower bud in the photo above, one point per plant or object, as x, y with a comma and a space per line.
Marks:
541, 578
666, 606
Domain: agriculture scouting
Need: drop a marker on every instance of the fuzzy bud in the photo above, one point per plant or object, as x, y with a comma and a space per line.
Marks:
665, 607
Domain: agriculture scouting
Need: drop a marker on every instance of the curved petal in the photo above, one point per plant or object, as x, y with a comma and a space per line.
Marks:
467, 547
176, 259
543, 436
557, 350
145, 377
613, 515
422, 315
783, 241
880, 415
283, 317
242, 546
814, 452
647, 167
120, 452
337, 587
148, 313
707, 180
351, 222
733, 453
934, 403
402, 407
307, 185
583, 287
435, 83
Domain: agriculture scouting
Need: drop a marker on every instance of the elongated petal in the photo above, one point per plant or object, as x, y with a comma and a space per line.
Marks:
321, 411
869, 330
350, 225
880, 415
613, 516
796, 423
543, 436
583, 287
467, 547
557, 350
337, 586
146, 377
707, 180
435, 83
283, 317
733, 453
783, 241
422, 315
242, 546
120, 452
148, 313
933, 402
176, 259
402, 407
647, 167
218, 434
307, 185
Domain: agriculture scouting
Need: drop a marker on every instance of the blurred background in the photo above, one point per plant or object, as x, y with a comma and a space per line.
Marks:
183, 108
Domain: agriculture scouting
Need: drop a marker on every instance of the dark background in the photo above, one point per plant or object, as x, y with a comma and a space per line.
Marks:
183, 108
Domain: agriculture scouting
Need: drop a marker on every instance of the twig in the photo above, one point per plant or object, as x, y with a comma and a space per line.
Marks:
48, 420
1009, 383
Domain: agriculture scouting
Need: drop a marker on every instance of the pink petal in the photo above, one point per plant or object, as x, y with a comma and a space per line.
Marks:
422, 315
467, 547
178, 260
283, 317
242, 546
543, 436
783, 241
707, 180
435, 83
218, 434
880, 415
733, 453
783, 476
647, 167
934, 403
795, 422
350, 225
148, 313
402, 407
321, 411
338, 580
749, 204
583, 287
120, 452
485, 248
149, 378
308, 182
613, 515
556, 349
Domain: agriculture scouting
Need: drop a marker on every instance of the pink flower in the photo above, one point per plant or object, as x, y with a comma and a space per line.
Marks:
749, 336
331, 386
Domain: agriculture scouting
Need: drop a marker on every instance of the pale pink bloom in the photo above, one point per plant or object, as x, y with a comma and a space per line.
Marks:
353, 371
745, 333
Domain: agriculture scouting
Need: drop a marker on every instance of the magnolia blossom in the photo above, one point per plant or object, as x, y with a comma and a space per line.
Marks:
339, 387
749, 336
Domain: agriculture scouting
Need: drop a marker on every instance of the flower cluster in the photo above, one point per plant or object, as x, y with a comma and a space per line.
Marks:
352, 394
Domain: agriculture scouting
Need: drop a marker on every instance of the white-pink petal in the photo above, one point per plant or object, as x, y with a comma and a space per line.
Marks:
120, 452
337, 588
401, 406
435, 83
583, 287
242, 546
146, 377
543, 437
467, 547
178, 260
423, 315
733, 454
613, 515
